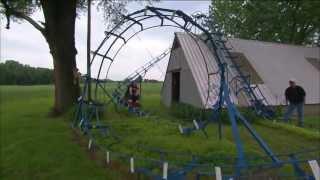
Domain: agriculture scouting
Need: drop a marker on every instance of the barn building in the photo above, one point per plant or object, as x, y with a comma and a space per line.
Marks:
270, 66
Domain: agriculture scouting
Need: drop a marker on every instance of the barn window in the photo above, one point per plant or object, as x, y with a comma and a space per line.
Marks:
314, 61
247, 68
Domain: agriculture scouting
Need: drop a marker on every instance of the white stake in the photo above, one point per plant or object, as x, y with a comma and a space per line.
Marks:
196, 124
218, 173
90, 143
315, 169
180, 129
81, 121
108, 157
165, 170
132, 165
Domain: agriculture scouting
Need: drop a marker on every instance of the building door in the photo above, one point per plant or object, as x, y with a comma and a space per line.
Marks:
175, 86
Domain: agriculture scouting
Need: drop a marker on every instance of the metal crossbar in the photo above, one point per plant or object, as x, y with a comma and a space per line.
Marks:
121, 89
87, 110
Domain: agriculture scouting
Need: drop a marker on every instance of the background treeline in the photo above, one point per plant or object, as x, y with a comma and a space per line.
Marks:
14, 73
291, 22
151, 81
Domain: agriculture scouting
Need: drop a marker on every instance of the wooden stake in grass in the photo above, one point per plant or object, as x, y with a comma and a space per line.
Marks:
90, 144
131, 165
218, 173
165, 170
315, 169
196, 125
108, 157
180, 129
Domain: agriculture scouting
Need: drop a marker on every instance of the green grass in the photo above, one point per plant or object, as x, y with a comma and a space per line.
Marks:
34, 146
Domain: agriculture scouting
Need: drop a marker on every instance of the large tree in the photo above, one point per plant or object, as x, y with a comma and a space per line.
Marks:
286, 21
58, 29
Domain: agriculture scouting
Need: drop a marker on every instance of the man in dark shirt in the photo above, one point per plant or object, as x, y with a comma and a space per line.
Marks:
295, 95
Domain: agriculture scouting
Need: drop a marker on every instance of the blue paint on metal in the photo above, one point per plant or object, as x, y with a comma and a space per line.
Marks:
297, 169
88, 111
225, 98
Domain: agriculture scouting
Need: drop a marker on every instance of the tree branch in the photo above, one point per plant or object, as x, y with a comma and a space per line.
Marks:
10, 11
29, 19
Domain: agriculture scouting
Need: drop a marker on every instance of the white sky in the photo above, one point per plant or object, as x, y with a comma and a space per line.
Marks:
25, 44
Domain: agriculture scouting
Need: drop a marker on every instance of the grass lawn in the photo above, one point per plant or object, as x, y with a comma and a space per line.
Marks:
34, 146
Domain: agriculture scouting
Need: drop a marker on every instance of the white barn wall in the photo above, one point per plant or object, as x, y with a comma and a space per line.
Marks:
277, 63
201, 61
174, 63
166, 90
189, 93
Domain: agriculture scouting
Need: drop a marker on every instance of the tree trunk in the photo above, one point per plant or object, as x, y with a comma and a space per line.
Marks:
60, 16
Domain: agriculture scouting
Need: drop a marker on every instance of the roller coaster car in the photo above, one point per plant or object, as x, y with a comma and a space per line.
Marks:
132, 96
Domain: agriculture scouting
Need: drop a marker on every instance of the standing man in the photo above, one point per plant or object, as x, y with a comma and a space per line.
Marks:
295, 95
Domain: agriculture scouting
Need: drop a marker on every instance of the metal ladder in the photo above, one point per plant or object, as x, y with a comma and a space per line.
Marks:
253, 94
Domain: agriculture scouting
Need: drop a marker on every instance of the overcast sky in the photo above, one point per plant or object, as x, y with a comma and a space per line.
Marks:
25, 44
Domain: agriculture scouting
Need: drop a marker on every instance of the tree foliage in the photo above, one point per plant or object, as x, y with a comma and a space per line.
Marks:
285, 21
14, 73
58, 29
18, 10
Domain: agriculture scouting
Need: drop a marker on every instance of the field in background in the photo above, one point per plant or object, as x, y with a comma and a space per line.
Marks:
35, 146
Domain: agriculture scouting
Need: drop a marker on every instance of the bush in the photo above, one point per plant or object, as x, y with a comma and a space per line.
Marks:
188, 113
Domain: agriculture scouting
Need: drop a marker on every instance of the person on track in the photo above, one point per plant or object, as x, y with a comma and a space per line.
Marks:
134, 95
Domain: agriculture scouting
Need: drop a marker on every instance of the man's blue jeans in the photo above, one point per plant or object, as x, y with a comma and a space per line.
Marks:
290, 110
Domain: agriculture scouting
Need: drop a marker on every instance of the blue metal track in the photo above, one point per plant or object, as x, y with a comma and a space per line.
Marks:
87, 113
136, 76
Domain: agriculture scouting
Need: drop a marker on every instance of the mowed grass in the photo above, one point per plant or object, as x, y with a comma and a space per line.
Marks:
34, 146
161, 132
